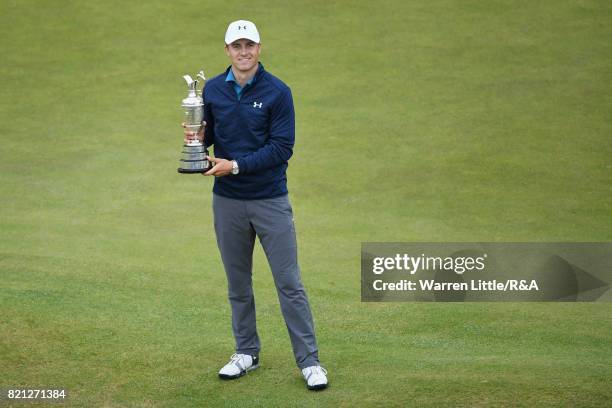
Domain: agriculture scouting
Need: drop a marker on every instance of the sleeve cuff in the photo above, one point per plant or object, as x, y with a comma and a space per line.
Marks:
241, 166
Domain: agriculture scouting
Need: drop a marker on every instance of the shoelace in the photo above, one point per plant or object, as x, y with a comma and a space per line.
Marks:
317, 370
239, 357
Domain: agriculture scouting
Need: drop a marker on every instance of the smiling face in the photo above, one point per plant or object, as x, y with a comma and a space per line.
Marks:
244, 55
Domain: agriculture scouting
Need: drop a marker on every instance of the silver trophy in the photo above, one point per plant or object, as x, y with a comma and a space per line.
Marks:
194, 152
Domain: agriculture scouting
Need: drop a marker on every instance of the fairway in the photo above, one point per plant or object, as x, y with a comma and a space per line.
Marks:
430, 121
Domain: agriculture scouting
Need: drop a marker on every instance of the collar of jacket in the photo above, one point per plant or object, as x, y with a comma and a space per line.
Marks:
258, 74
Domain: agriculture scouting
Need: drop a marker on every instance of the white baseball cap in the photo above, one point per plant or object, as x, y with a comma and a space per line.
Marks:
241, 29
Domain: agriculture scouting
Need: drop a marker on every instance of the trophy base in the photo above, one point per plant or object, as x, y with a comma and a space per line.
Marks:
192, 171
194, 160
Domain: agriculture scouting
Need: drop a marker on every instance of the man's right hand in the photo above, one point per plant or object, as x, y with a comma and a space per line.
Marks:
190, 136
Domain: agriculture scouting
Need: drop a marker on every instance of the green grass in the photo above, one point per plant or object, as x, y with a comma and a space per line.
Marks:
416, 121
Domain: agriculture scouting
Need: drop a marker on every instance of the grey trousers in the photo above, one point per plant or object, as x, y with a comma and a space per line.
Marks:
237, 222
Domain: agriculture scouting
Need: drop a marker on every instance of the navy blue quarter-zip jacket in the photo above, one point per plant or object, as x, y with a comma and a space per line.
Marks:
257, 130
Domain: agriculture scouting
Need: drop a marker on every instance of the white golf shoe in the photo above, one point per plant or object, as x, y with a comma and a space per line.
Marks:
239, 365
316, 377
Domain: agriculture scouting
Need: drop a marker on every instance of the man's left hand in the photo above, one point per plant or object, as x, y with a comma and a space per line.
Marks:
221, 168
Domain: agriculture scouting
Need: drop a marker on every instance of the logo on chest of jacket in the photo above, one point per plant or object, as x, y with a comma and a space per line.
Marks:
257, 105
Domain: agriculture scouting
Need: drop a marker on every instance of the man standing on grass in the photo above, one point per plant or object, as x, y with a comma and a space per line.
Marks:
249, 118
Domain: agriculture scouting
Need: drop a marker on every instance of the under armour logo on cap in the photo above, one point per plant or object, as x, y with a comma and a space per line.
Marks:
257, 105
241, 29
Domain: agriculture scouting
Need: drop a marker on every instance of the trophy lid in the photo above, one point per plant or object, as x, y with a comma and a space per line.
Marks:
193, 98
193, 83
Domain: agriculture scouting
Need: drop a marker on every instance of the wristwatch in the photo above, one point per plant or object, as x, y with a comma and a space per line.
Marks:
235, 167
